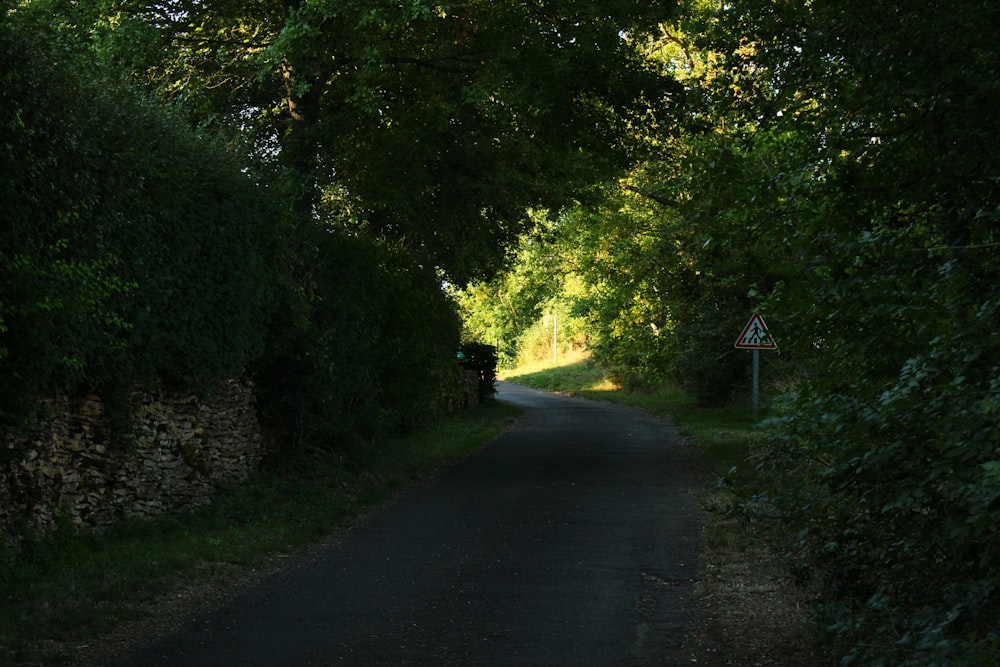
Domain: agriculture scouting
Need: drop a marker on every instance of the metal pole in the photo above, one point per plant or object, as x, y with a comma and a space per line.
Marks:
555, 337
756, 382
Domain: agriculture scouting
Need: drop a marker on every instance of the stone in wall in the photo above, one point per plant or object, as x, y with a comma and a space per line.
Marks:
181, 450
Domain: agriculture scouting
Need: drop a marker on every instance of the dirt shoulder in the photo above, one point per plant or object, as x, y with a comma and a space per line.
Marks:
750, 611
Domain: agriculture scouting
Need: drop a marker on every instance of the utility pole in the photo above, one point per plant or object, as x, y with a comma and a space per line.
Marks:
555, 337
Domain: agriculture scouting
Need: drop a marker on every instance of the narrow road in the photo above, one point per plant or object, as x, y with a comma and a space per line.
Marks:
571, 540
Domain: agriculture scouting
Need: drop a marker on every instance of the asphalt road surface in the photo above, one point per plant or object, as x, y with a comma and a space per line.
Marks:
569, 541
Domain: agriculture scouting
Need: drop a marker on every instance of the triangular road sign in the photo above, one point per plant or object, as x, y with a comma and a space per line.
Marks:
755, 336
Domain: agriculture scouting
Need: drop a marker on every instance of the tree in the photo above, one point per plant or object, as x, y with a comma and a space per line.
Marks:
885, 464
677, 254
429, 128
501, 311
432, 124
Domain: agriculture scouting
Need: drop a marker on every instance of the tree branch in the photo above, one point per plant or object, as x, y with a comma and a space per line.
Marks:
659, 199
459, 67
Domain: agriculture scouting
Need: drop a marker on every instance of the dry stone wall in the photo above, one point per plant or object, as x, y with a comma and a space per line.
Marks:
181, 449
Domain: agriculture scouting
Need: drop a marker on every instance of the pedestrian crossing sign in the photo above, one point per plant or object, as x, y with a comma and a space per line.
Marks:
755, 336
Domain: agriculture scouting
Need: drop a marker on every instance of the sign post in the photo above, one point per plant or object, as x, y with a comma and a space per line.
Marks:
756, 337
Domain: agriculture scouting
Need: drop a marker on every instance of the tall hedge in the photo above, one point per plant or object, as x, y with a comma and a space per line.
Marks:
364, 342
132, 248
137, 250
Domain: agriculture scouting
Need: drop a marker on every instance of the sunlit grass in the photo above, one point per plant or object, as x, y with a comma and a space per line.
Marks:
574, 374
568, 358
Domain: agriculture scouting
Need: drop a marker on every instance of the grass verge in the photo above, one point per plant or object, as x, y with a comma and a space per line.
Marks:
749, 610
64, 592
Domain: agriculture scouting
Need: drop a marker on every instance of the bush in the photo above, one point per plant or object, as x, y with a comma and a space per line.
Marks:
134, 250
362, 344
886, 467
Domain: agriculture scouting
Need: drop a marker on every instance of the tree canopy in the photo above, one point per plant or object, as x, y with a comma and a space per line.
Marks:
414, 136
432, 124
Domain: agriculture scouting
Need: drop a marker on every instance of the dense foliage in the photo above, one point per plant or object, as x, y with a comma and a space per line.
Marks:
514, 311
137, 251
833, 171
133, 248
663, 266
366, 348
886, 463
394, 147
